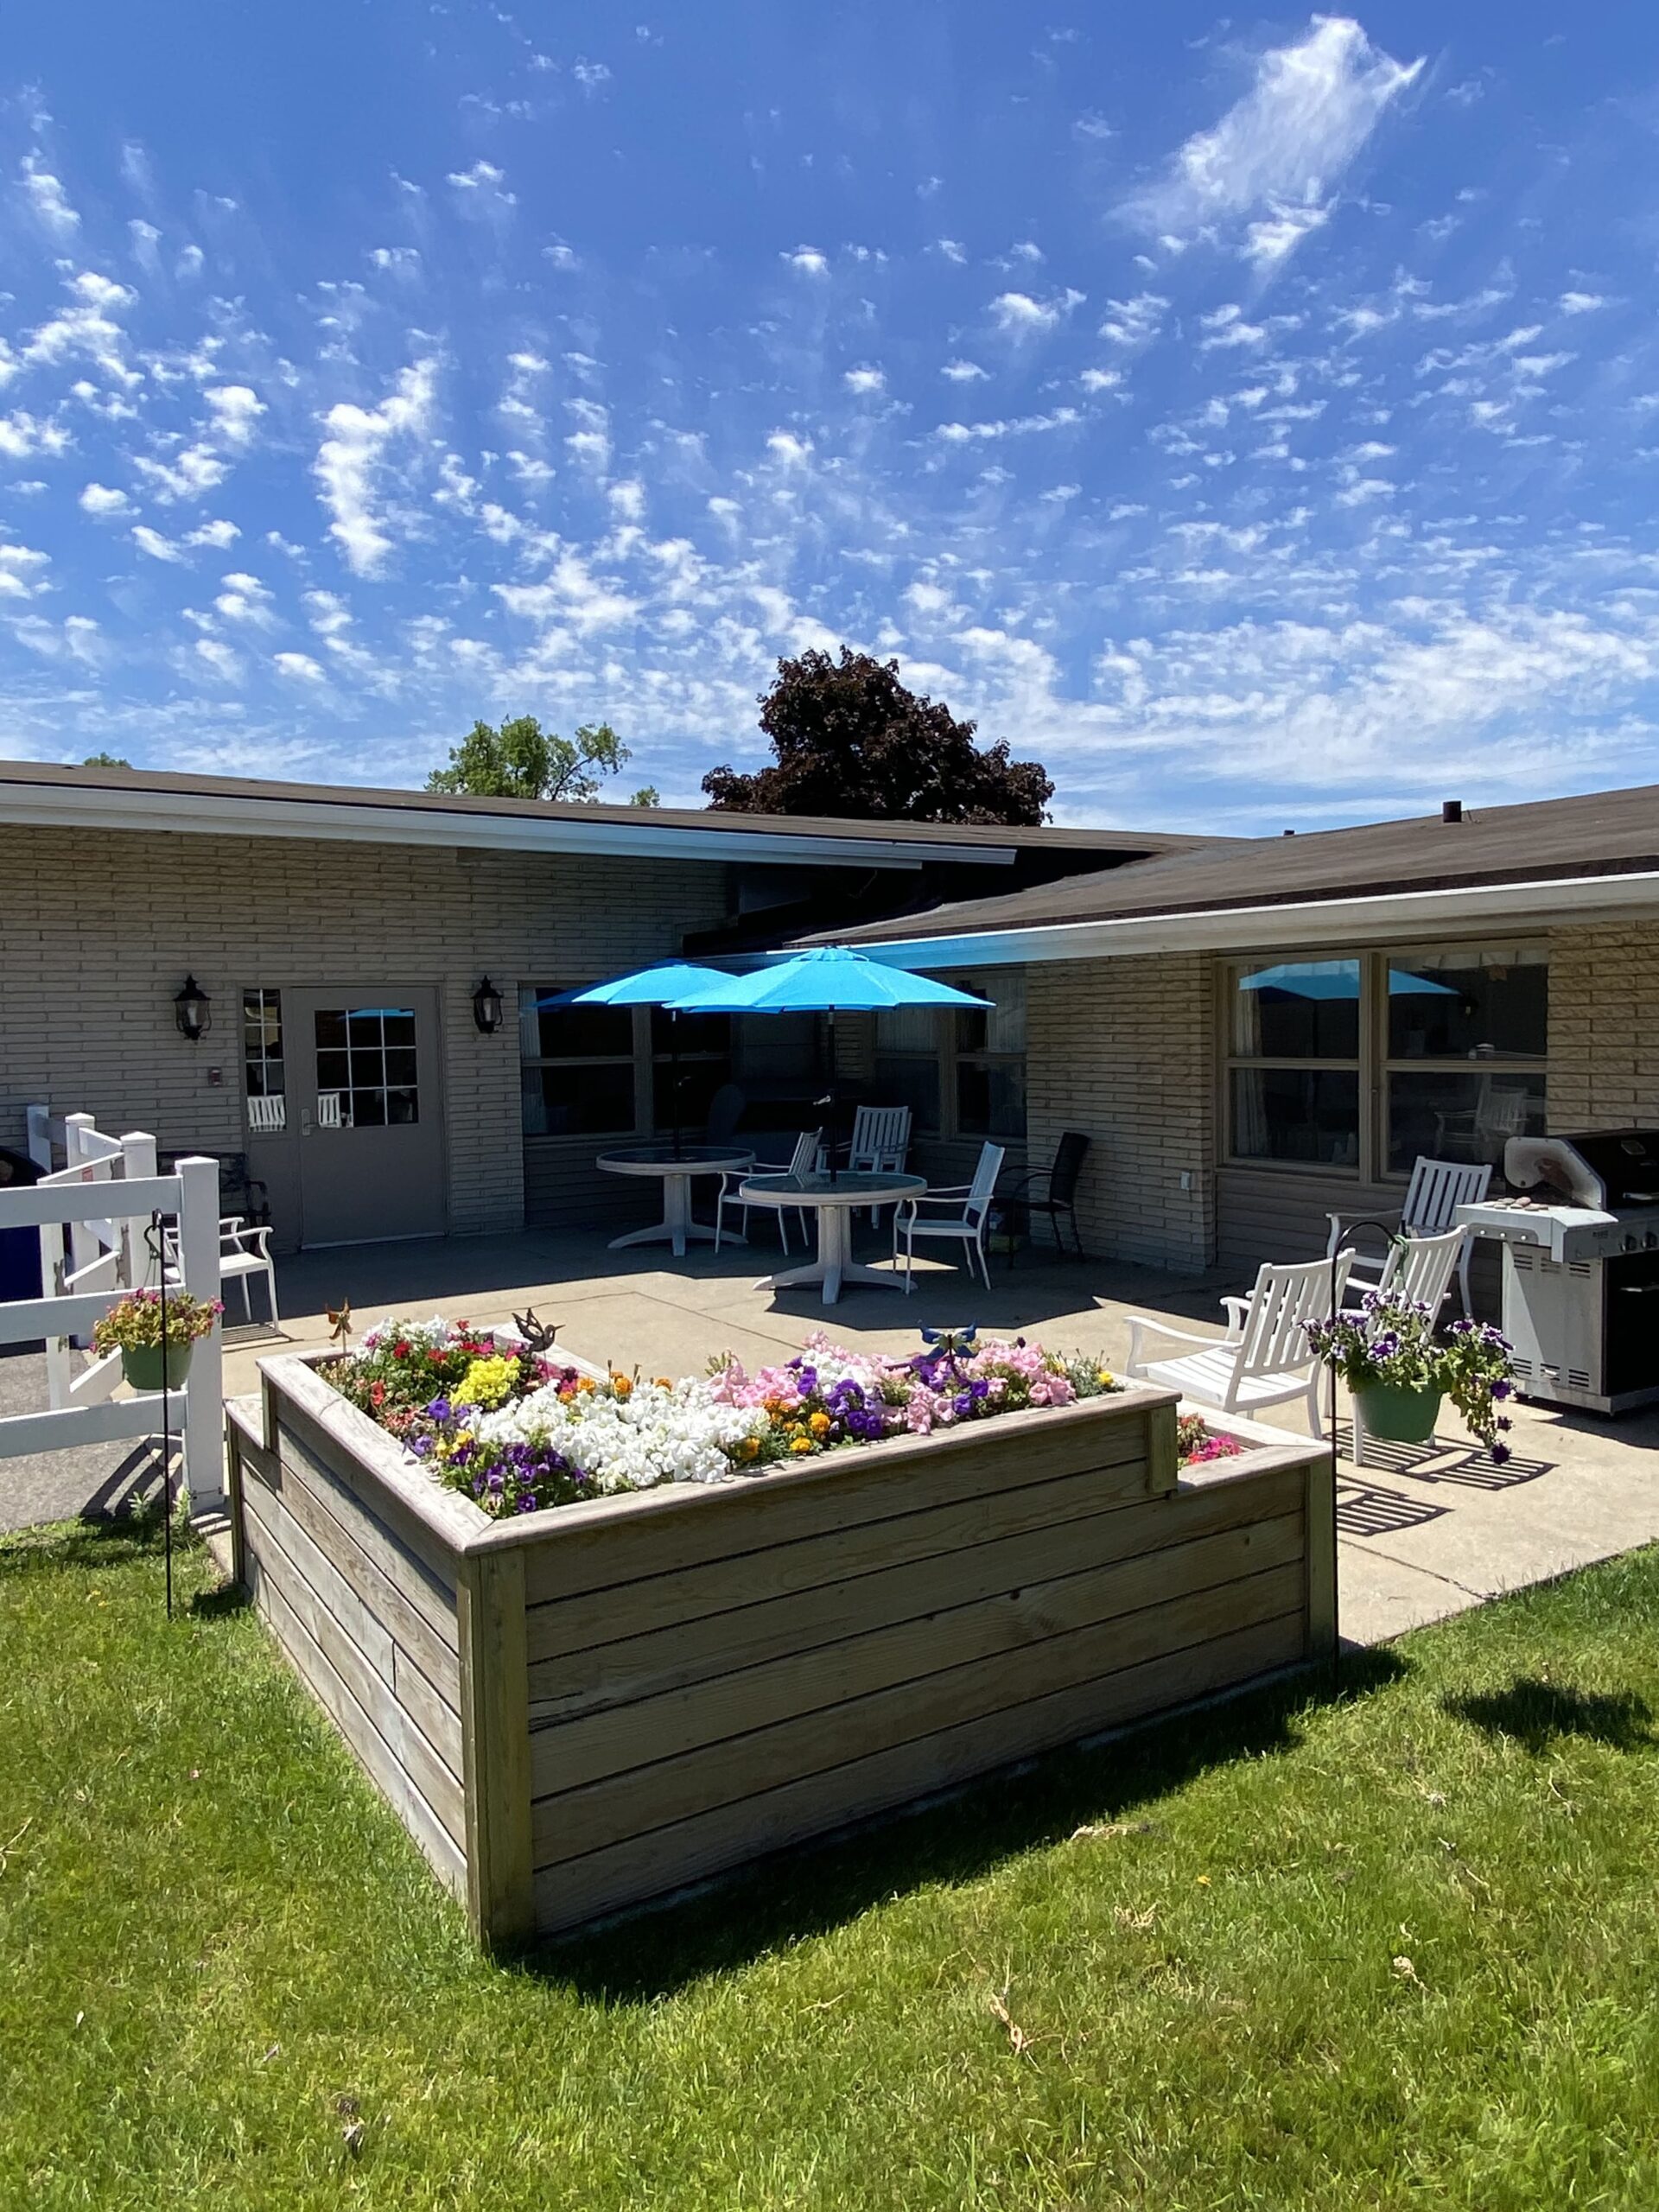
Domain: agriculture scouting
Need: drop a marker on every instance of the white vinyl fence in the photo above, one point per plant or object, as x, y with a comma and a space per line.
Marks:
94, 1215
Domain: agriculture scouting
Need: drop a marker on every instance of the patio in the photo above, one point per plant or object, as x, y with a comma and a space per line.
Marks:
1424, 1532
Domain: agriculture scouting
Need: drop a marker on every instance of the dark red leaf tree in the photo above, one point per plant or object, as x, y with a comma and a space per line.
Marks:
850, 740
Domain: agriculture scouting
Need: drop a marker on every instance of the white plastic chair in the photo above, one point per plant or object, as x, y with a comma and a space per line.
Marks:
1267, 1359
880, 1143
801, 1162
242, 1251
1419, 1270
971, 1209
267, 1117
1436, 1189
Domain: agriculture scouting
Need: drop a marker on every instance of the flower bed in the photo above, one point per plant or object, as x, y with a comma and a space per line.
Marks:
703, 1653
518, 1431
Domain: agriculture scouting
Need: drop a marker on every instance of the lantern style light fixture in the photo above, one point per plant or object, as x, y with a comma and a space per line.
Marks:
487, 1007
192, 1010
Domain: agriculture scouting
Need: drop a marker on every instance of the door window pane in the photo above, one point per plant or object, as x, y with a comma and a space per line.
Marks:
1001, 1026
357, 1086
1449, 1116
1297, 1010
1309, 1115
1469, 1003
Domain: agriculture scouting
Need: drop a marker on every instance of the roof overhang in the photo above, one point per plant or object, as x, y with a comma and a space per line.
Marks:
1301, 923
353, 821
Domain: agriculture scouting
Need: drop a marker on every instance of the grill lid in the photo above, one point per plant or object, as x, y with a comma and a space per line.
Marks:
1608, 1169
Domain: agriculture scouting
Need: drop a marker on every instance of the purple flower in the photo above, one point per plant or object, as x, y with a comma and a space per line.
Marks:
1500, 1453
440, 1409
1502, 1387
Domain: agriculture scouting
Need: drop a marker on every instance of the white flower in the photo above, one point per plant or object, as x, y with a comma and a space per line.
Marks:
678, 1435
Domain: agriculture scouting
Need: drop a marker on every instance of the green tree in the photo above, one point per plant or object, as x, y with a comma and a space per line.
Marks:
523, 761
849, 739
104, 761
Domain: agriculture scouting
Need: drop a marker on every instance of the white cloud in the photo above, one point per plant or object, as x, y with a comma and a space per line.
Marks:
1581, 302
484, 181
1276, 156
1132, 322
245, 599
101, 500
963, 372
353, 452
590, 443
221, 657
151, 542
299, 666
865, 380
1101, 380
22, 435
195, 470
810, 260
236, 409
590, 75
793, 452
218, 532
46, 196
1018, 314
952, 248
18, 564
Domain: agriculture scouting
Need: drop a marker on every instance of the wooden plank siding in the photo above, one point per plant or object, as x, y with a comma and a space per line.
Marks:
587, 1709
1281, 1214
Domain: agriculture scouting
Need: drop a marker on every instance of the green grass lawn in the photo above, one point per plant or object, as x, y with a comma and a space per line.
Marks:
1395, 1947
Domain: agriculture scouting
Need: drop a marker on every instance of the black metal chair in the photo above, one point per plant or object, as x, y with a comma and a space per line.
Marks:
1054, 1191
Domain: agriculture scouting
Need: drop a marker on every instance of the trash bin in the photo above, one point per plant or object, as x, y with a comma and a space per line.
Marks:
20, 1248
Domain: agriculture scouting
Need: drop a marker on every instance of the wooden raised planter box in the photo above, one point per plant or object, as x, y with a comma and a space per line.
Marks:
579, 1710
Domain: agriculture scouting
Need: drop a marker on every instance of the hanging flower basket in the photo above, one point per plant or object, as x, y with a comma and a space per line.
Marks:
148, 1367
1396, 1414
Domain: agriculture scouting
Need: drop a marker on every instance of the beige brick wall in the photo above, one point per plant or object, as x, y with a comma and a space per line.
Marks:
1124, 1049
1604, 1026
97, 930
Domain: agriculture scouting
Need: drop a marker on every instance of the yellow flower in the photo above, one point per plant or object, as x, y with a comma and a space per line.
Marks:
585, 1384
801, 1444
820, 1424
486, 1383
622, 1385
749, 1446
664, 1382
1105, 1378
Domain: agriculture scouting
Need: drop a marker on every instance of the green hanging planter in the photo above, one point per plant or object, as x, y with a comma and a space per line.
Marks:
151, 1367
1397, 1415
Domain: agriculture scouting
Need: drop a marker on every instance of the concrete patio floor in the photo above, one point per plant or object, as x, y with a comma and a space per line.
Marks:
1423, 1531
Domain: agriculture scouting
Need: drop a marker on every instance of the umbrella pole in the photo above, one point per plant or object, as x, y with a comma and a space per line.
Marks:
834, 1102
674, 1073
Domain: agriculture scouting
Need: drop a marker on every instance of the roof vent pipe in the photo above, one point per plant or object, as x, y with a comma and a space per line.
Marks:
1452, 810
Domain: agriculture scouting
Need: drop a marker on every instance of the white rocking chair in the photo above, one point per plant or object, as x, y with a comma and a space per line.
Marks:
1266, 1359
1436, 1189
971, 1209
880, 1143
801, 1162
1419, 1270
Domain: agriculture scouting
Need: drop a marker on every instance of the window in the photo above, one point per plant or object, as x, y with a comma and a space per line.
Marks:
265, 1078
908, 1045
991, 1056
367, 1077
1360, 1063
1467, 1036
1287, 1018
697, 1049
577, 1066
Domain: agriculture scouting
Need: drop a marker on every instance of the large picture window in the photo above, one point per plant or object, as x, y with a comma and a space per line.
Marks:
962, 1074
1359, 1062
578, 1065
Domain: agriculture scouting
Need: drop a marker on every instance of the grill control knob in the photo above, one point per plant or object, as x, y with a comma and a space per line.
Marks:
1651, 1239
1632, 1241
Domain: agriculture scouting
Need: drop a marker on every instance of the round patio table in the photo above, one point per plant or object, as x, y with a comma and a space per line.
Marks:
675, 1172
833, 1202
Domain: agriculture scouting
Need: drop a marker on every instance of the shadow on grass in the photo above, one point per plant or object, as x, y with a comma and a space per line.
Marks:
101, 1543
815, 1887
223, 1598
1537, 1714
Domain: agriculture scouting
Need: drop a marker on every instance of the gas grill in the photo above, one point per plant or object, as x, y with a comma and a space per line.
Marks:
1580, 1266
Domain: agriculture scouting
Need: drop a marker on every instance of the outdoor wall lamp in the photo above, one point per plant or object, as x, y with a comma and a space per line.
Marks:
190, 1010
487, 1007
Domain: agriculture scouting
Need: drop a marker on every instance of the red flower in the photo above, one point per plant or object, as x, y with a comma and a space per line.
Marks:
377, 1393
400, 1352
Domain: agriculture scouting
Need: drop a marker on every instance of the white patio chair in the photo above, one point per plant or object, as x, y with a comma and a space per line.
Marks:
1436, 1189
970, 1205
1268, 1360
267, 1117
242, 1252
880, 1143
801, 1162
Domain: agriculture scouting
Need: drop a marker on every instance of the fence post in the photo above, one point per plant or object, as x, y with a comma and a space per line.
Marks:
37, 1120
137, 1158
204, 1396
83, 1245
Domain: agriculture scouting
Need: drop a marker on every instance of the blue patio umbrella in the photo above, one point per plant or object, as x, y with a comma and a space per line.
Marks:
1335, 979
659, 986
829, 979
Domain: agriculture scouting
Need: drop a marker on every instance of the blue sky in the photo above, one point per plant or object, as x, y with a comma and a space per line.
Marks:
1257, 419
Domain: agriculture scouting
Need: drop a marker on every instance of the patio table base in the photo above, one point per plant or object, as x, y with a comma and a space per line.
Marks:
833, 1204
